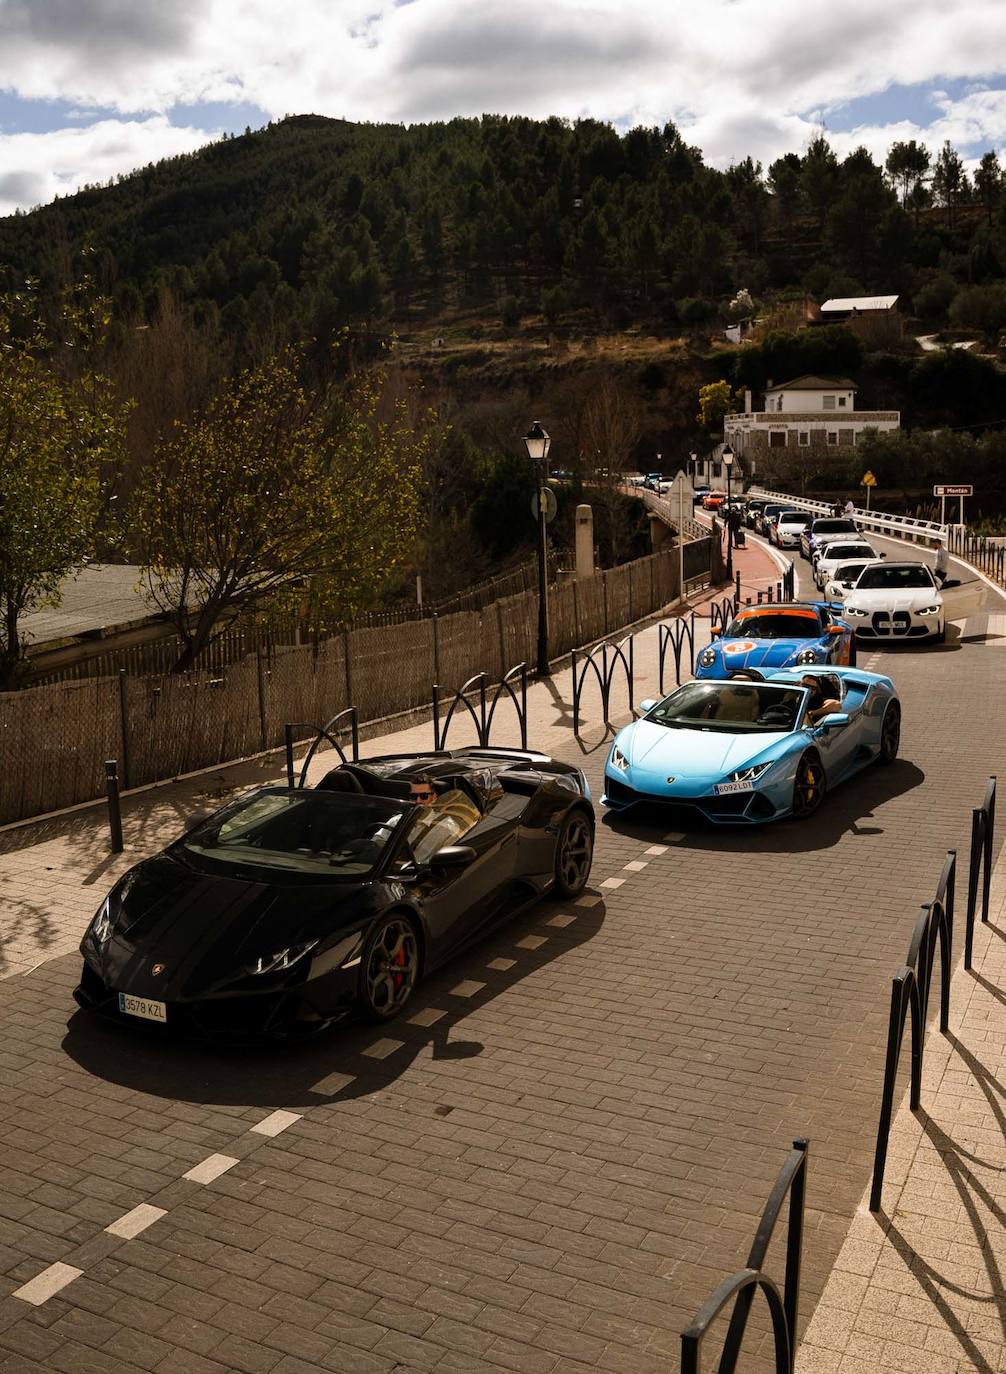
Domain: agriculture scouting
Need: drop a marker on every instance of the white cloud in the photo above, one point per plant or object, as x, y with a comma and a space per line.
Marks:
34, 168
738, 76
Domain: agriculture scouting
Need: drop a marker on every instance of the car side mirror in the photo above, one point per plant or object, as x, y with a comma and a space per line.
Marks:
883, 555
199, 818
836, 629
714, 632
647, 704
453, 856
834, 721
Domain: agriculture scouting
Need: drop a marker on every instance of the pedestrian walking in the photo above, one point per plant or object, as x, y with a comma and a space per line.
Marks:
850, 508
942, 567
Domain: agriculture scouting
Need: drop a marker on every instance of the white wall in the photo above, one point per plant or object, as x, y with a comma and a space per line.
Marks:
840, 401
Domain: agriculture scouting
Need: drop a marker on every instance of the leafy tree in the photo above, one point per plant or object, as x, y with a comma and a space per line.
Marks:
981, 307
716, 399
932, 301
907, 165
989, 183
60, 427
949, 180
819, 177
269, 490
784, 184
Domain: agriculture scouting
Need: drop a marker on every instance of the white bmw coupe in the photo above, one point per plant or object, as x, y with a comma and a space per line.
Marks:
896, 601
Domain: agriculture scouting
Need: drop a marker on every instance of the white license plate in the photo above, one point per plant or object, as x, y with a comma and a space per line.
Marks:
143, 1006
722, 788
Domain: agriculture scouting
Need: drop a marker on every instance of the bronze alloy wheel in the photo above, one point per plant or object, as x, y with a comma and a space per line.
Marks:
574, 853
890, 733
809, 786
390, 967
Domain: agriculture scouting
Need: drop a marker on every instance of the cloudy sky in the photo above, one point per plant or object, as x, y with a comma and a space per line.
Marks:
92, 88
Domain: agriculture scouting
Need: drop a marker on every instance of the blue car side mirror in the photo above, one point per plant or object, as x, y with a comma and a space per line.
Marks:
834, 721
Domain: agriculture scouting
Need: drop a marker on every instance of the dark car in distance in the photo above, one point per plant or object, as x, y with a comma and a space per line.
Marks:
292, 909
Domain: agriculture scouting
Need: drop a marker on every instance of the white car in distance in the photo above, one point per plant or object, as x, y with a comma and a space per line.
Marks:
845, 577
789, 527
896, 602
842, 551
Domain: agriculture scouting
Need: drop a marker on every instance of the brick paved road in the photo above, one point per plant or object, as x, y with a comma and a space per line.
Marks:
550, 1163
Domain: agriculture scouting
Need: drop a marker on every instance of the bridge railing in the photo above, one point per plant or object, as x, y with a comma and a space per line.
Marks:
988, 555
899, 526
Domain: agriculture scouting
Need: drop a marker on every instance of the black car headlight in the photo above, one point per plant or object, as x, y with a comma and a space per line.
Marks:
707, 658
280, 961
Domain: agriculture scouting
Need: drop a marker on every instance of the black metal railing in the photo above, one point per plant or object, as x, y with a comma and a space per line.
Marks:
722, 612
983, 821
483, 714
910, 999
988, 555
741, 1287
584, 661
321, 733
675, 635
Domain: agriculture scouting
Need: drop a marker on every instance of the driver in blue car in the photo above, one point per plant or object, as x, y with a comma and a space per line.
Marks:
818, 705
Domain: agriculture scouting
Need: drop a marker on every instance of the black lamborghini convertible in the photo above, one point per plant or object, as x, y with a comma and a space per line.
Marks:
292, 909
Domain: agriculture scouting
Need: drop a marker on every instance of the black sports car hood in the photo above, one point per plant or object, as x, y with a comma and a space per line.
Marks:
202, 930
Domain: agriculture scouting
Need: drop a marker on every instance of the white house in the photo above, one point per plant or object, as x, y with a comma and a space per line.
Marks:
806, 413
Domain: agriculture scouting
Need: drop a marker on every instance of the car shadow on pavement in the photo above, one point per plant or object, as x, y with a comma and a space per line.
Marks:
849, 810
292, 1076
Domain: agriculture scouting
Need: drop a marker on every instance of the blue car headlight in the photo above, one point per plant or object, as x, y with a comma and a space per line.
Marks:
618, 759
707, 658
807, 656
751, 774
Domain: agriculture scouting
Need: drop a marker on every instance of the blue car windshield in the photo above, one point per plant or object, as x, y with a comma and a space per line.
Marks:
774, 625
730, 707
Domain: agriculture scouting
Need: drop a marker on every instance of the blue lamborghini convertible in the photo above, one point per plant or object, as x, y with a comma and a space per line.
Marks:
754, 748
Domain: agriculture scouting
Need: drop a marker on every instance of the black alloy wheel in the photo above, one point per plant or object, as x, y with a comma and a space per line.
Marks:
809, 786
389, 967
574, 853
890, 733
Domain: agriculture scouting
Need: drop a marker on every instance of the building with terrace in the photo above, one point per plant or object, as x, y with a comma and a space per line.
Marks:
809, 413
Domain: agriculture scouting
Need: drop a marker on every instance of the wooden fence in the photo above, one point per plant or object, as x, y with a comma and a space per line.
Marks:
55, 738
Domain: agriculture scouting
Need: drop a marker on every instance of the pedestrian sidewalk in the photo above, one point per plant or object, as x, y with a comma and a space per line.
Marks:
919, 1287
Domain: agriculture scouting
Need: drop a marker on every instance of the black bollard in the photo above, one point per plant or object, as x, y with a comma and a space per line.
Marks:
114, 808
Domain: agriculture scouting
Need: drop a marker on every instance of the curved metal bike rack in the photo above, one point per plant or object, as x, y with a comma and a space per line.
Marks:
742, 1286
483, 717
321, 733
604, 673
910, 998
674, 635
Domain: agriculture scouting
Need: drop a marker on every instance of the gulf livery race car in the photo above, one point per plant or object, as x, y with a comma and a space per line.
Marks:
752, 750
782, 635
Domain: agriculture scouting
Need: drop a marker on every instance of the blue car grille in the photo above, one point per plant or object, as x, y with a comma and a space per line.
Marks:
754, 805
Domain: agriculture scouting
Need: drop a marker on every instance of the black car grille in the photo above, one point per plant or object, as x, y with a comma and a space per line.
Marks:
753, 805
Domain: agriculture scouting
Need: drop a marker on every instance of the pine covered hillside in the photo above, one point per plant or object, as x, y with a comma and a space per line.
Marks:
311, 224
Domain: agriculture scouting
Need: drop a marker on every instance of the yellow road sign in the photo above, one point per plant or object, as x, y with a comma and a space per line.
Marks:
868, 480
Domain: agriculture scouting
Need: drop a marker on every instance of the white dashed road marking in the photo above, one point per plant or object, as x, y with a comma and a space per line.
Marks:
532, 942
333, 1083
467, 989
635, 865
428, 1016
588, 899
561, 921
380, 1049
501, 965
613, 882
132, 1223
210, 1168
276, 1122
41, 1288
657, 848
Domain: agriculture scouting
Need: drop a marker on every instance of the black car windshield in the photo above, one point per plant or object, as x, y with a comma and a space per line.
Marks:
736, 707
794, 517
834, 527
848, 572
893, 577
300, 831
775, 625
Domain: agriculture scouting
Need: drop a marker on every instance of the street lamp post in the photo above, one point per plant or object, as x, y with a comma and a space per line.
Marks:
728, 461
693, 458
537, 443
